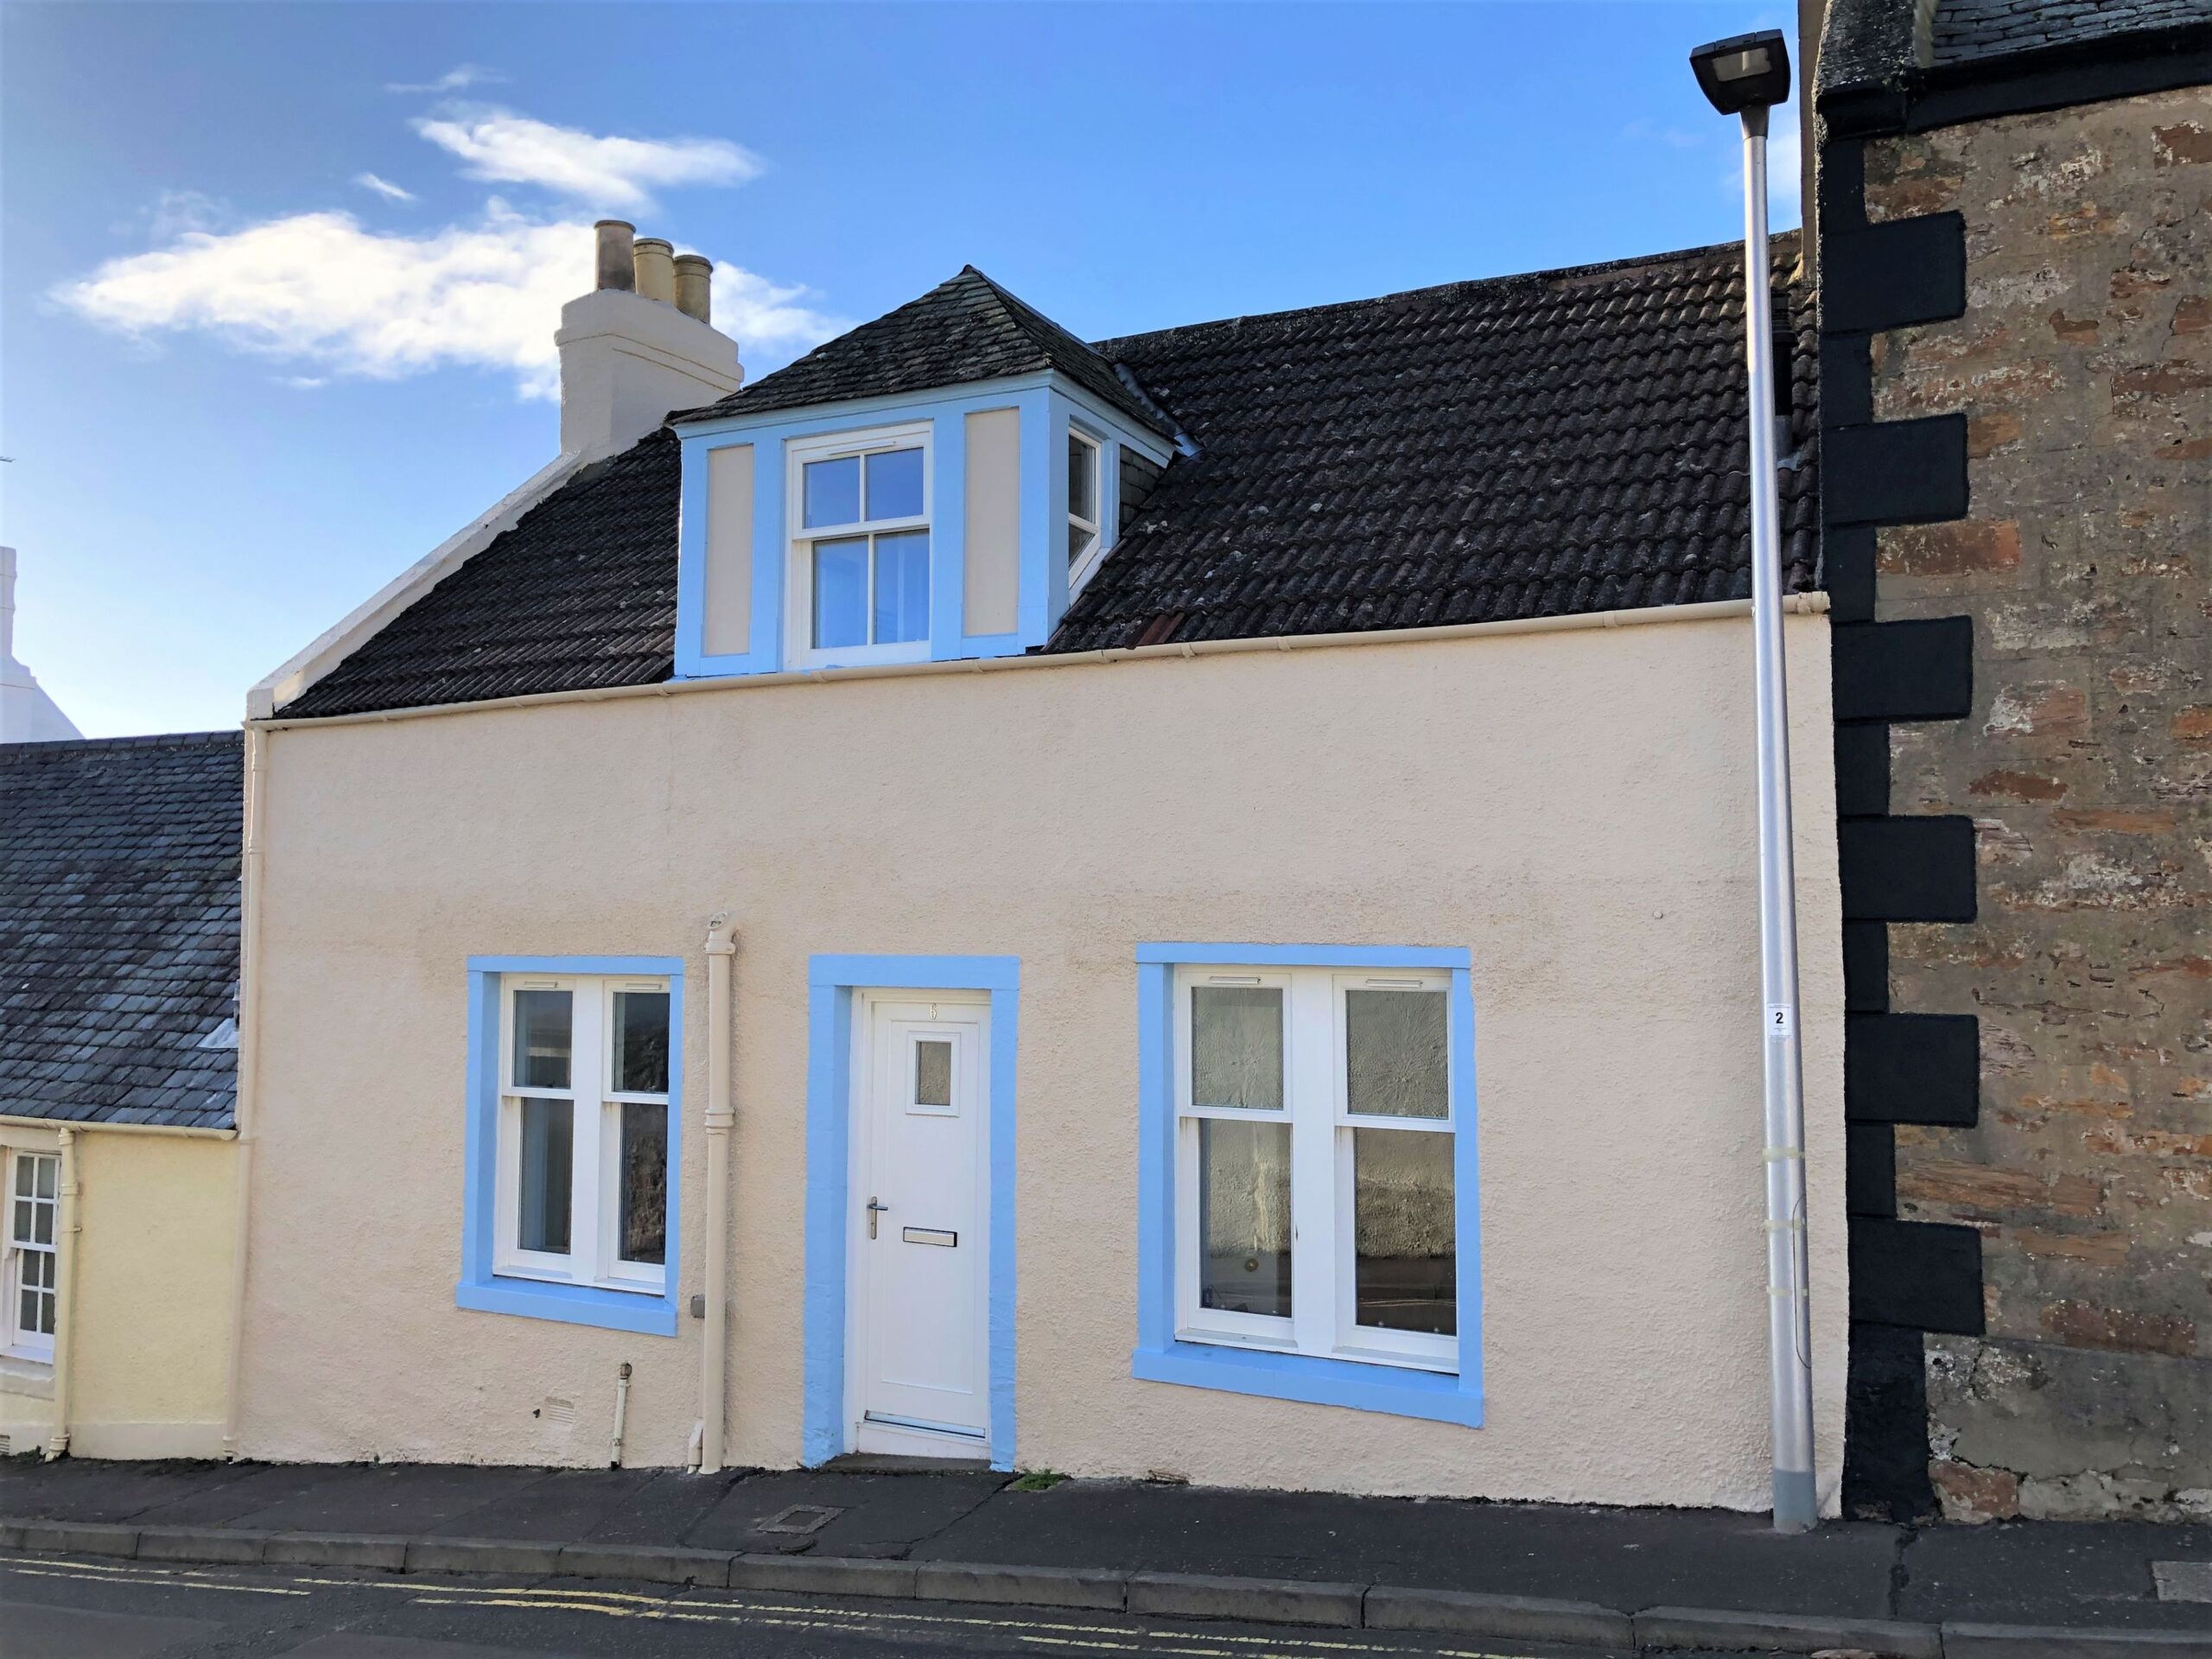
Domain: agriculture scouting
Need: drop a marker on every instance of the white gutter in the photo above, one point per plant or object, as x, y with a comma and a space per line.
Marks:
1645, 616
720, 1115
182, 1130
65, 1294
332, 647
249, 1068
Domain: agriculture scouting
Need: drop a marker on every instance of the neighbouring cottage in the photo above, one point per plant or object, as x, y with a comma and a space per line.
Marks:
1184, 905
119, 978
2015, 259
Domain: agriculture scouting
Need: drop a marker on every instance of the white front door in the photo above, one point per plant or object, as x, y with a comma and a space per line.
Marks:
917, 1337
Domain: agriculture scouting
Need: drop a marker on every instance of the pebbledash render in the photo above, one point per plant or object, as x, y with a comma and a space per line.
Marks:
1201, 889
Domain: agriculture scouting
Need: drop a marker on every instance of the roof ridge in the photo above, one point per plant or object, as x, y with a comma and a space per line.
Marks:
1454, 289
147, 740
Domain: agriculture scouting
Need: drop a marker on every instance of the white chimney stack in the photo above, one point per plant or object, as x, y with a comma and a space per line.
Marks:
27, 714
641, 344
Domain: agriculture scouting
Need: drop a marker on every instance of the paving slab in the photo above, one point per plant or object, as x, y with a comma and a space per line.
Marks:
1626, 1559
250, 1486
83, 1488
2052, 1573
563, 1508
885, 1516
412, 1498
663, 1510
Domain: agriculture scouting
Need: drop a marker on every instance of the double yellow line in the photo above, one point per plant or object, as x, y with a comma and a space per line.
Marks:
1041, 1632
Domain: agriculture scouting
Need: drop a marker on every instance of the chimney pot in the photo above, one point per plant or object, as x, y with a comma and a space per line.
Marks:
617, 265
656, 270
694, 287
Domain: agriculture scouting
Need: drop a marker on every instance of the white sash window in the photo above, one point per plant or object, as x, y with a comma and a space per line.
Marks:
34, 1214
583, 1131
1314, 1163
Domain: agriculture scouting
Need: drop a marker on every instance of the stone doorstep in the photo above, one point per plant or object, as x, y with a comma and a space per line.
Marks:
1705, 1627
1172, 1595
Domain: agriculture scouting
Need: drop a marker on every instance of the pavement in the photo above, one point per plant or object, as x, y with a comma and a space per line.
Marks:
1619, 1579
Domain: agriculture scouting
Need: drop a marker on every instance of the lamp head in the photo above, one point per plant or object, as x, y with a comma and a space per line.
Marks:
1743, 72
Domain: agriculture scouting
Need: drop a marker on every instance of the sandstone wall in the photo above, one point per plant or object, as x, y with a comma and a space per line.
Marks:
2084, 365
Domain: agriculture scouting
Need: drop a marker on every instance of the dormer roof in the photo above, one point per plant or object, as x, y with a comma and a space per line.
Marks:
966, 329
1540, 445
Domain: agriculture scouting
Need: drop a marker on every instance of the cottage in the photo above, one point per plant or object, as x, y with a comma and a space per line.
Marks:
1177, 905
118, 975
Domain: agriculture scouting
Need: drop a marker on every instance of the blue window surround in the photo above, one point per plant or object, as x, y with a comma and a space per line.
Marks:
479, 1288
1158, 1357
831, 981
1045, 405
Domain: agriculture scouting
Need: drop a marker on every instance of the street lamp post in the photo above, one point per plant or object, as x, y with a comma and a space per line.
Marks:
1746, 76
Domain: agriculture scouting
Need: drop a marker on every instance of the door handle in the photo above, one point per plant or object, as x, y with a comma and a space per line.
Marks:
874, 1211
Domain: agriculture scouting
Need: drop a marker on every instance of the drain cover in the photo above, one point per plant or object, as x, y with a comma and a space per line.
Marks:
799, 1518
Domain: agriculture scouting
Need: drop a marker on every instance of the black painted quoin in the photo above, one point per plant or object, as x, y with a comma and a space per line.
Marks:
1907, 1278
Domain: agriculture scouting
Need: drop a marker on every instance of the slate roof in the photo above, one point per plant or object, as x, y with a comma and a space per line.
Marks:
965, 329
1966, 30
1874, 51
1533, 445
119, 928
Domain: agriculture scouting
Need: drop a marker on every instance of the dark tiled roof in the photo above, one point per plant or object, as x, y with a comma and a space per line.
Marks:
1967, 31
1569, 441
581, 592
962, 331
1531, 446
119, 928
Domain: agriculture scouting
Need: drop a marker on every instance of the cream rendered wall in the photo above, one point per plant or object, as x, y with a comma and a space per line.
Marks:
148, 1320
1574, 807
153, 1296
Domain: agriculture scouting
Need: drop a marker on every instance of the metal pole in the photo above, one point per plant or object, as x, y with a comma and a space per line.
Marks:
1788, 1327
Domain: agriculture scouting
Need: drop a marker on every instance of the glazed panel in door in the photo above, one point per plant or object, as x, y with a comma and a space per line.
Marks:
920, 1199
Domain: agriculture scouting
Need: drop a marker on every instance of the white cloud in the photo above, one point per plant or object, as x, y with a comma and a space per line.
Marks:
384, 187
304, 382
458, 79
600, 172
320, 291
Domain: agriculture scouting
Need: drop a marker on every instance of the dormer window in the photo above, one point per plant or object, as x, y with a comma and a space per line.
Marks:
1086, 516
860, 561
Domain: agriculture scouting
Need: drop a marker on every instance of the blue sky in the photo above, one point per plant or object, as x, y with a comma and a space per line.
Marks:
278, 283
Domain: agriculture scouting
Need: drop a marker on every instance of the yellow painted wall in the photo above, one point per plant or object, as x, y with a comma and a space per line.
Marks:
149, 1319
1575, 808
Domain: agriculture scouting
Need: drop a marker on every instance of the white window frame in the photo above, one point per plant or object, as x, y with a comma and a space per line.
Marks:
1109, 508
21, 1245
1323, 1277
595, 1148
798, 562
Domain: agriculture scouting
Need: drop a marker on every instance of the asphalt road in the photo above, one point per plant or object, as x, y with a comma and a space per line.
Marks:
53, 1607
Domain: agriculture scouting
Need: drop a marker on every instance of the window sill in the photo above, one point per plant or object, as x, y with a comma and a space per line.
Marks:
646, 1313
22, 1374
1398, 1391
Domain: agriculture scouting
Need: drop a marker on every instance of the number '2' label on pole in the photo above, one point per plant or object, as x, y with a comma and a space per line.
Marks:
1781, 1021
